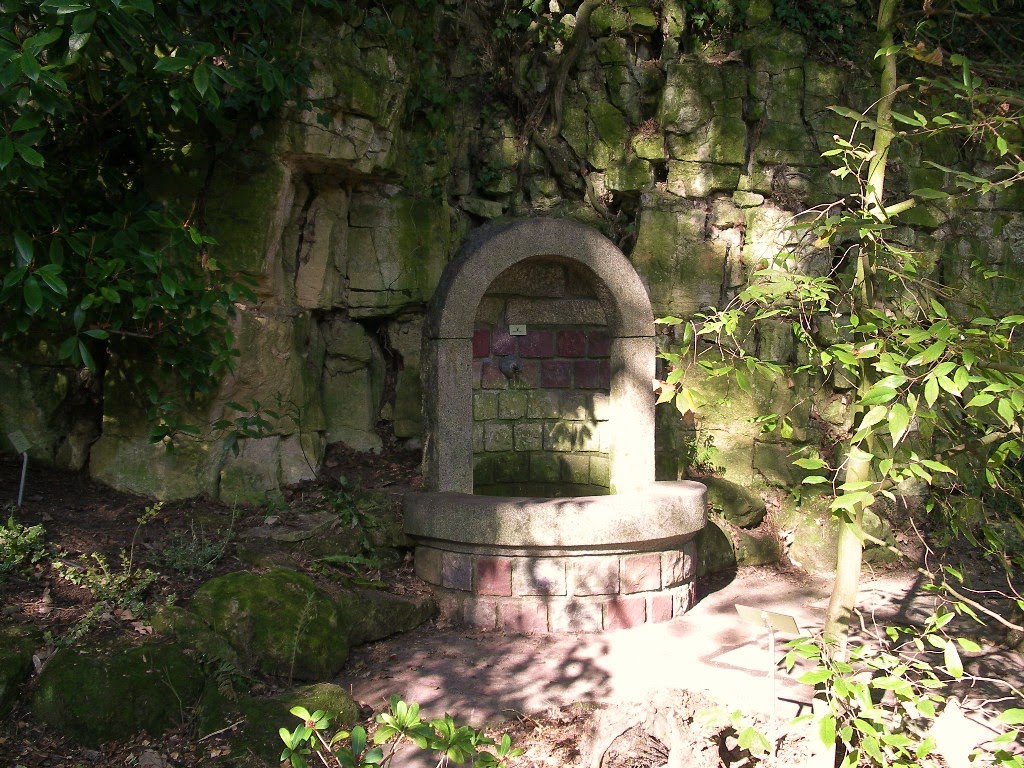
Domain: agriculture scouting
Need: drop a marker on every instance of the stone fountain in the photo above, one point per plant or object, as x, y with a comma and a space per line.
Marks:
541, 511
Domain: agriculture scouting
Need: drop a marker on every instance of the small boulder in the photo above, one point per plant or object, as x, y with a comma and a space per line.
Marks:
370, 614
757, 548
739, 505
280, 623
104, 694
715, 551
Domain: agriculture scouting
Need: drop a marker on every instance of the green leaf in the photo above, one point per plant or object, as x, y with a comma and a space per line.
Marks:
33, 295
1012, 717
899, 420
951, 659
30, 67
37, 42
25, 248
55, 283
86, 356
931, 391
170, 64
29, 155
878, 394
809, 463
78, 40
201, 78
815, 676
1005, 411
827, 730
926, 193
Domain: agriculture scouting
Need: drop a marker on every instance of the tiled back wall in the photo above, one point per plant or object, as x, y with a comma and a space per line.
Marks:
540, 401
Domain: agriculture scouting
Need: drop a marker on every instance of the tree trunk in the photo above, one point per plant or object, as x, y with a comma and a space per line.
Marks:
851, 546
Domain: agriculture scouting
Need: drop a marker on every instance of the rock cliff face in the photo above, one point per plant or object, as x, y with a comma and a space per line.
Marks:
345, 215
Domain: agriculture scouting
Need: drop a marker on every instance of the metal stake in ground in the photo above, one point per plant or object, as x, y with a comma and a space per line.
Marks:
772, 623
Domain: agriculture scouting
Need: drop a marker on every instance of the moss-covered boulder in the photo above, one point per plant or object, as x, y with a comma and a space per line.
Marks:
757, 548
280, 623
102, 694
715, 550
739, 505
17, 644
370, 614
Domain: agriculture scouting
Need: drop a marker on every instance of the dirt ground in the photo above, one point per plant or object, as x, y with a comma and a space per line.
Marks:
546, 691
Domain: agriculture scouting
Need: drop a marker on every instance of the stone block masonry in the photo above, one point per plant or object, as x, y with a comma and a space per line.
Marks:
542, 394
565, 593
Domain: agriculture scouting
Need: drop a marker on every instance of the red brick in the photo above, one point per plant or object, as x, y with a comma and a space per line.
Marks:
493, 576
592, 374
502, 343
481, 342
526, 617
661, 608
537, 344
571, 343
556, 374
599, 344
625, 612
529, 373
640, 573
492, 377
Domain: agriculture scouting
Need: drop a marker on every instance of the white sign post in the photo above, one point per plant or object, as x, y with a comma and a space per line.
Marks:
21, 445
771, 622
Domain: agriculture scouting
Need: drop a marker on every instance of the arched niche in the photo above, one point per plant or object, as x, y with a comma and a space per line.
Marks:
448, 354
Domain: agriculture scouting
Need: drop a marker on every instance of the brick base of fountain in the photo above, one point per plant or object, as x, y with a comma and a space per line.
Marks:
581, 564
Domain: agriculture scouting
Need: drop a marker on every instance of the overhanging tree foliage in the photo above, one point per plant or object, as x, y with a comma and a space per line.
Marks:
939, 388
98, 100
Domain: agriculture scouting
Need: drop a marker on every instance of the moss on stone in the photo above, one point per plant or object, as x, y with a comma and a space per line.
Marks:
17, 644
715, 551
630, 176
369, 614
720, 140
696, 180
103, 694
737, 504
242, 209
137, 465
611, 134
280, 623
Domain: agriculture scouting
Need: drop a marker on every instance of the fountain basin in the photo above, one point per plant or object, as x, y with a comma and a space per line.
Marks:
577, 564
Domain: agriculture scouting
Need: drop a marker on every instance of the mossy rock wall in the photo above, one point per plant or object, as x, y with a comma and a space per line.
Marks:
695, 160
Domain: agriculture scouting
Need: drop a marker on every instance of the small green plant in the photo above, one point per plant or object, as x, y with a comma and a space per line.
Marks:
193, 552
114, 588
21, 547
401, 723
741, 734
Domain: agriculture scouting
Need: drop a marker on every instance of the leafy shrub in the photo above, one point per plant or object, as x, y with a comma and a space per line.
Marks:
885, 697
193, 552
113, 588
352, 749
21, 546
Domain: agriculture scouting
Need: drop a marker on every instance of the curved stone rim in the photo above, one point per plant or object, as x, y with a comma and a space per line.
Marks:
492, 249
663, 511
